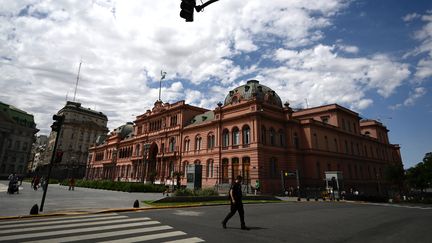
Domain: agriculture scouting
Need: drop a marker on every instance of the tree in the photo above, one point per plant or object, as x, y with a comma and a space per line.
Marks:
177, 175
420, 176
395, 174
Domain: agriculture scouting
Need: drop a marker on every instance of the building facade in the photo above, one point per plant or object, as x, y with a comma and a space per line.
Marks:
17, 134
251, 134
80, 129
37, 157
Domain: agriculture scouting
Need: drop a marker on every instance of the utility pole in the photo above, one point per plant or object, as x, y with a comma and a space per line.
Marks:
76, 84
56, 127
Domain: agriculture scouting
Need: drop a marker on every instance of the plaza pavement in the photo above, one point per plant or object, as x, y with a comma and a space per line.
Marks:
60, 200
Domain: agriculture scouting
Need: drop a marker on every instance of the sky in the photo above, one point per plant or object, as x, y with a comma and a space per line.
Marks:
371, 56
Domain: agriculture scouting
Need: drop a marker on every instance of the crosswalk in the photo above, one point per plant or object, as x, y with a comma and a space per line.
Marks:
111, 227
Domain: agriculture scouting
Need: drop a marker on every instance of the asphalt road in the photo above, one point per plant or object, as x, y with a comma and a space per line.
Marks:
303, 222
60, 199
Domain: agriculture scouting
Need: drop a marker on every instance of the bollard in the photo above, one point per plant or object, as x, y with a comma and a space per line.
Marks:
34, 210
316, 199
136, 204
298, 199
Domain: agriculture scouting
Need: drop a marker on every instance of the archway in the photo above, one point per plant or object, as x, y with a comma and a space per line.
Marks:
151, 162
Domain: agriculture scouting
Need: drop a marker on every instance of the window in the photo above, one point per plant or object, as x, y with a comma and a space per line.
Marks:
173, 121
263, 134
225, 138
273, 167
235, 136
296, 141
246, 135
315, 137
272, 137
17, 145
326, 143
186, 144
210, 141
197, 143
172, 144
209, 168
282, 138
325, 119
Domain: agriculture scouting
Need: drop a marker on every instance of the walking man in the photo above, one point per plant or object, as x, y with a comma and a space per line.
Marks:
235, 195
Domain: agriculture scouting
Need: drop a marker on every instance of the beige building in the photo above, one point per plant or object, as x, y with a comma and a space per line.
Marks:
252, 134
17, 134
80, 129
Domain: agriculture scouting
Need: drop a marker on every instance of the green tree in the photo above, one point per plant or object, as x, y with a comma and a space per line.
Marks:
420, 176
395, 174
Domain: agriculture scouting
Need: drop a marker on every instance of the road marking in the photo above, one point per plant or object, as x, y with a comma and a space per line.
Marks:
19, 221
400, 206
51, 227
76, 231
103, 235
147, 237
188, 240
63, 221
187, 213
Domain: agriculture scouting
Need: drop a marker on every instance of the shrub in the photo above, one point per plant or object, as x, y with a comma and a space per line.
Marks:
118, 186
207, 192
183, 192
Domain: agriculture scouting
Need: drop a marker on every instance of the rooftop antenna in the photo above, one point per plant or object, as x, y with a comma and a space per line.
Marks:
76, 84
67, 94
307, 104
160, 83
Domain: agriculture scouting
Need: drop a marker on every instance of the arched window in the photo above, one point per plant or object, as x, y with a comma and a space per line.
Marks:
272, 136
209, 168
224, 170
186, 144
172, 143
326, 142
296, 141
273, 167
246, 169
246, 134
197, 143
210, 141
315, 145
235, 168
197, 162
263, 135
137, 150
235, 136
225, 138
282, 138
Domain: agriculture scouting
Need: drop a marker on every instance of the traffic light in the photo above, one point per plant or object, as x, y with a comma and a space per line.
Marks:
58, 157
58, 122
187, 9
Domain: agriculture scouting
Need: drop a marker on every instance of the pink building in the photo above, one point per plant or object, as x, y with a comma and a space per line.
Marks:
252, 134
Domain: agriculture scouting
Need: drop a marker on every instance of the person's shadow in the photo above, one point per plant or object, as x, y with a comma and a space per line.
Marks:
249, 228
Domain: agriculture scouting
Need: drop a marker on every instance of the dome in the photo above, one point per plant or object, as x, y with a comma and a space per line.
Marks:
253, 89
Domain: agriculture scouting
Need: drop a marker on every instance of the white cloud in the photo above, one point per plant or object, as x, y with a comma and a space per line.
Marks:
413, 96
125, 44
424, 36
348, 48
410, 17
322, 76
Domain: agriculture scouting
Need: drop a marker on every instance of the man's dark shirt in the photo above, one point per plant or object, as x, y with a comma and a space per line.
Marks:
237, 192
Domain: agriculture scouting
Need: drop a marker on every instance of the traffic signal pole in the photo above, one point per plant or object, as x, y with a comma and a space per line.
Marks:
58, 129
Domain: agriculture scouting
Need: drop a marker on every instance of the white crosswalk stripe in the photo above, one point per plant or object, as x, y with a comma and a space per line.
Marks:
91, 228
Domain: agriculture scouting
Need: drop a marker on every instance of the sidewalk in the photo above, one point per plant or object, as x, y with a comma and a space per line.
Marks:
59, 199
